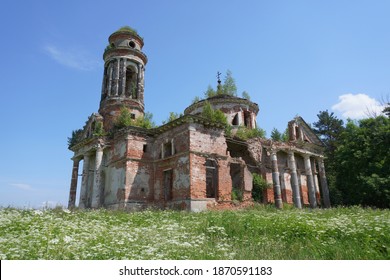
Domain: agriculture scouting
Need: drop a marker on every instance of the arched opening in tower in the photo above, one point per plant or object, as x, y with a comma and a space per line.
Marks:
105, 83
131, 83
248, 119
235, 120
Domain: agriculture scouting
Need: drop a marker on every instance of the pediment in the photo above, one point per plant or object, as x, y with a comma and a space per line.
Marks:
299, 130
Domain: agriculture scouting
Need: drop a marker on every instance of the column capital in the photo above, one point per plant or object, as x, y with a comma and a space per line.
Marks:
306, 156
98, 147
76, 158
273, 153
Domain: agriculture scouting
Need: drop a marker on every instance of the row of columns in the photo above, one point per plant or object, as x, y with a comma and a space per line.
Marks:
295, 183
96, 185
112, 76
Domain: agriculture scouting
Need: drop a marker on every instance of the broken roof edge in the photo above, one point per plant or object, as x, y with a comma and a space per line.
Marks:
186, 119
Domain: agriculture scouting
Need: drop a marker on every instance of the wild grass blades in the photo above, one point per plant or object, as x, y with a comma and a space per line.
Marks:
257, 233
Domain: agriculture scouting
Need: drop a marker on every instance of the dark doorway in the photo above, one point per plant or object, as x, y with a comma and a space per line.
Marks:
211, 179
168, 185
237, 181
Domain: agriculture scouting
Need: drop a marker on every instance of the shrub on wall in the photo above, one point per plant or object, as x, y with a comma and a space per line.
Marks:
259, 185
125, 119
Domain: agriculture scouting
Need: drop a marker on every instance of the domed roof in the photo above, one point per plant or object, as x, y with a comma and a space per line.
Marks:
223, 99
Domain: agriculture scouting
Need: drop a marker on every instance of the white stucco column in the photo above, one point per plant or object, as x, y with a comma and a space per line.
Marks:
117, 76
294, 180
310, 182
96, 189
84, 183
323, 183
253, 121
123, 91
276, 181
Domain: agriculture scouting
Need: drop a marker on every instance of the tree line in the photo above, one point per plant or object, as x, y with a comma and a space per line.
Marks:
357, 158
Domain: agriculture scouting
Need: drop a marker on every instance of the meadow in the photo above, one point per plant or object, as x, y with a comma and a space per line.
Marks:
261, 232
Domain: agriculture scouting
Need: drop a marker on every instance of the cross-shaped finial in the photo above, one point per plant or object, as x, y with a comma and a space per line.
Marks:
219, 77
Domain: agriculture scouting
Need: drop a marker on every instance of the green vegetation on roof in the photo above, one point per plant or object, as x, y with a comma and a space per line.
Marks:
127, 28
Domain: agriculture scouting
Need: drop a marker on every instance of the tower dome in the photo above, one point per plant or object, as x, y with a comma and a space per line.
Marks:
238, 111
123, 77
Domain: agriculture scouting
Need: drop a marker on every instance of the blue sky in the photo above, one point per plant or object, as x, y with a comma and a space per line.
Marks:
292, 57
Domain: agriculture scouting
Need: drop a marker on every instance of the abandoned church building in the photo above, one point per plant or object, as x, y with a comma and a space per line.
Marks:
189, 163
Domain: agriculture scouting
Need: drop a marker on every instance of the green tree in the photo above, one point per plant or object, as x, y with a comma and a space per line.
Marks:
245, 95
208, 111
244, 133
259, 184
126, 119
386, 110
172, 116
77, 136
210, 92
363, 163
285, 137
229, 85
146, 121
276, 135
195, 100
99, 129
329, 128
213, 115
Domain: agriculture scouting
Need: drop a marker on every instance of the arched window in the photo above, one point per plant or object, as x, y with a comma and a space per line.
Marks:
105, 84
131, 83
297, 135
235, 120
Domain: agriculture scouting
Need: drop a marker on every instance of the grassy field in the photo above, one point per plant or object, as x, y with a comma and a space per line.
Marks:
257, 233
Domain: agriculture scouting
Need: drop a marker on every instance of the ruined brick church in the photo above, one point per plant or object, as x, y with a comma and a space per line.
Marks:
188, 163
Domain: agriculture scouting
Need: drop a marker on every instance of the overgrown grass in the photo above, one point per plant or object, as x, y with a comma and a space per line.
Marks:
257, 233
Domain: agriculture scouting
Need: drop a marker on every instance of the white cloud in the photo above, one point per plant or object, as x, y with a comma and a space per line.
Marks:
21, 186
73, 58
357, 106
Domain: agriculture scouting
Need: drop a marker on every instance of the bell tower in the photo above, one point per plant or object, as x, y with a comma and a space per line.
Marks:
123, 78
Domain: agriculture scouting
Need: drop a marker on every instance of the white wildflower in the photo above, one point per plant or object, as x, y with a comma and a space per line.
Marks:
68, 239
38, 212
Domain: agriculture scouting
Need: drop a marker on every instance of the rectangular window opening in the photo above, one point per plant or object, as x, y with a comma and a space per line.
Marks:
211, 179
167, 149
